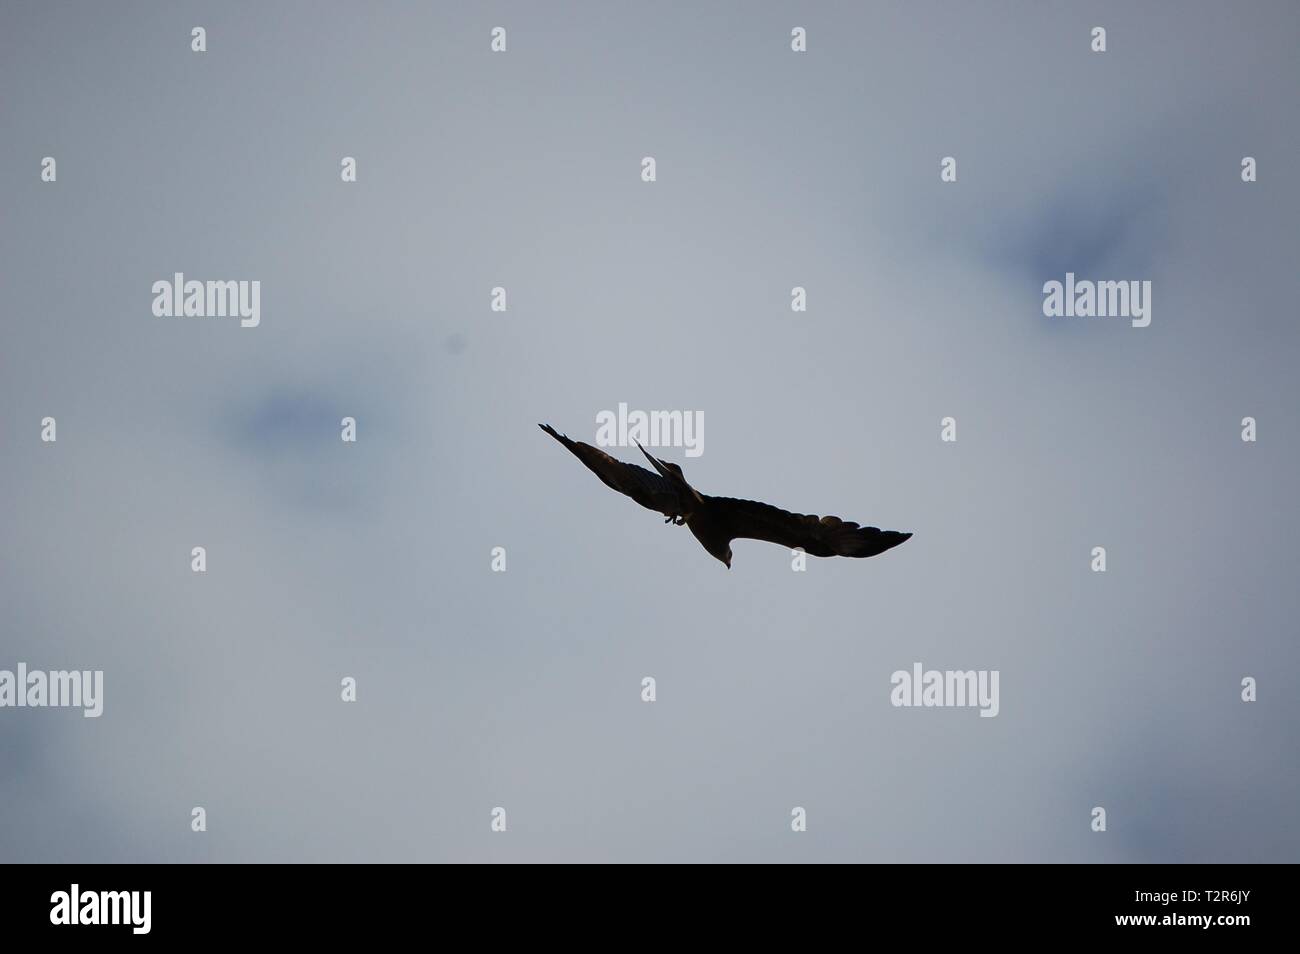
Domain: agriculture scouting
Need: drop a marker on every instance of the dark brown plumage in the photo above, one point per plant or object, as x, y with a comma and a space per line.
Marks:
716, 521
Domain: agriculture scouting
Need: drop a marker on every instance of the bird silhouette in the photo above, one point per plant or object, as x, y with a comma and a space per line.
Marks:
716, 521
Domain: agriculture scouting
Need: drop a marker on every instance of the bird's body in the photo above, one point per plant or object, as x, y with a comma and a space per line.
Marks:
716, 521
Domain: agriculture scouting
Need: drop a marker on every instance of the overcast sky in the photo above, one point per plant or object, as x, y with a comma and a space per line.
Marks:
522, 689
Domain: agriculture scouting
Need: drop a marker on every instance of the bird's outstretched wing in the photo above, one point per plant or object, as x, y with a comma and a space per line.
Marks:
645, 487
817, 536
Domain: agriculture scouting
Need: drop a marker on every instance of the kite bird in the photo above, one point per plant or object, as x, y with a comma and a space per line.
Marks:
716, 521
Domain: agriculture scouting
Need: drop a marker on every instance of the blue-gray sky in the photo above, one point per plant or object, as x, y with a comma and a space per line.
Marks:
522, 689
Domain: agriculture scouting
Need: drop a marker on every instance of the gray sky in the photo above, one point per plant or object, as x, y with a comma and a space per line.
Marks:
522, 689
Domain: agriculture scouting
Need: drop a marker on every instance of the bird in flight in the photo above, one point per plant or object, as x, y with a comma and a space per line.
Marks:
716, 521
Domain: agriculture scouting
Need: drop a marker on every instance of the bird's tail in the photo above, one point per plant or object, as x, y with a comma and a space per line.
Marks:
671, 473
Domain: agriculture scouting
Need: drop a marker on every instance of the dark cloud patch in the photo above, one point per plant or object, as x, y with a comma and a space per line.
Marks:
1096, 230
291, 440
281, 421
